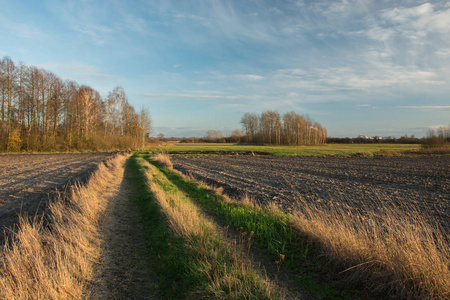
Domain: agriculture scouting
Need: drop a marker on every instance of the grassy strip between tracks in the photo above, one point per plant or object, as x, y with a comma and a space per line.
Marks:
187, 251
401, 252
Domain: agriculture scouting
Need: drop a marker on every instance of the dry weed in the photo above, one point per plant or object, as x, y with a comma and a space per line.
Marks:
164, 159
57, 261
396, 250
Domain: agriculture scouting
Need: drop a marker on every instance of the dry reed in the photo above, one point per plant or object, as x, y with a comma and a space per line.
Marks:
56, 261
392, 249
163, 159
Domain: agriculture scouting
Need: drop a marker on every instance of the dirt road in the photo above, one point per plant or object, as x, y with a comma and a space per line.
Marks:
27, 181
423, 182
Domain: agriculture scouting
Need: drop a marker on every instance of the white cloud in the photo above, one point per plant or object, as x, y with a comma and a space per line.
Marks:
434, 127
401, 14
98, 33
232, 23
199, 96
251, 77
436, 108
81, 72
27, 31
70, 67
134, 23
357, 78
229, 105
443, 52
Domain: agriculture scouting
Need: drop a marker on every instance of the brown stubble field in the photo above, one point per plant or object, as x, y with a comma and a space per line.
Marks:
386, 219
28, 181
355, 183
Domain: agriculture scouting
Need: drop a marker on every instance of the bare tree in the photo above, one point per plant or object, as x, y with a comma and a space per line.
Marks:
38, 111
146, 125
214, 135
250, 123
268, 121
292, 129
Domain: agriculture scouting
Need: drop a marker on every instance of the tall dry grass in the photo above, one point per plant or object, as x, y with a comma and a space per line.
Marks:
163, 159
56, 261
227, 265
397, 250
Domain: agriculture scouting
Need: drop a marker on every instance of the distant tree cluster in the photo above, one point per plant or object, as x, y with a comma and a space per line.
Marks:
290, 129
405, 139
41, 112
437, 137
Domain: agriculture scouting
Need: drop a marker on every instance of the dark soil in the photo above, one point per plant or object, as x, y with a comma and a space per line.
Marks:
253, 153
357, 183
29, 181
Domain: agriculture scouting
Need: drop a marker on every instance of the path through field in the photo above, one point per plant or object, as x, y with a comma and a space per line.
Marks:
121, 273
27, 181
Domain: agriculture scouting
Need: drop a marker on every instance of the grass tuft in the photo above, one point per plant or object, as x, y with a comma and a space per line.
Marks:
163, 159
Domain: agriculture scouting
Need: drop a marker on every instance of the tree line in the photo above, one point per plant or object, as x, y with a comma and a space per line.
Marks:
290, 129
41, 112
439, 137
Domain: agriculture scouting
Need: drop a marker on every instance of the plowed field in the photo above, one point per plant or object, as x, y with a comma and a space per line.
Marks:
358, 183
27, 181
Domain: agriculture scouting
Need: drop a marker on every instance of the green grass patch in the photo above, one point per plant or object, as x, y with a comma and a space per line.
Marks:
329, 149
167, 253
193, 259
270, 229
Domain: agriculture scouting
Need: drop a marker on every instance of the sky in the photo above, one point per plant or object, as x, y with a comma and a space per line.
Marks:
356, 67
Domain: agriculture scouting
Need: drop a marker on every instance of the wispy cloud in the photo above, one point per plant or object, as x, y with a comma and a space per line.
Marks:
436, 108
251, 77
434, 127
199, 96
80, 72
185, 131
28, 31
97, 33
70, 67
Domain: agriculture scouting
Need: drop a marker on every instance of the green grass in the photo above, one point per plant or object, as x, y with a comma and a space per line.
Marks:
167, 253
270, 229
191, 259
338, 241
329, 149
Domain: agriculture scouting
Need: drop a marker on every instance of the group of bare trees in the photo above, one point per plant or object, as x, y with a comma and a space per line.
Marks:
41, 112
439, 137
290, 129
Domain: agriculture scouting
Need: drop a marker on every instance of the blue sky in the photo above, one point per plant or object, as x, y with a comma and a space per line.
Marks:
356, 67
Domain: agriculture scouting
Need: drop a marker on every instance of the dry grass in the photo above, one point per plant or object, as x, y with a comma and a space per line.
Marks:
57, 261
397, 250
163, 159
230, 271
